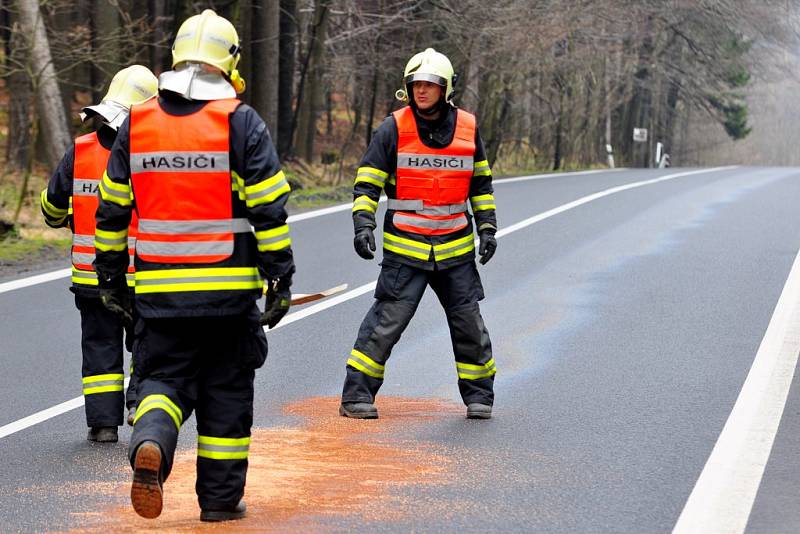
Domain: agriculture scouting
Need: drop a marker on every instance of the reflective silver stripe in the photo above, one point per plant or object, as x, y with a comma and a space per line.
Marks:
131, 242
84, 188
222, 448
195, 279
84, 274
434, 162
476, 372
268, 191
420, 207
186, 248
214, 226
368, 174
83, 240
488, 201
82, 258
102, 383
180, 162
422, 247
366, 364
110, 242
114, 193
430, 224
274, 239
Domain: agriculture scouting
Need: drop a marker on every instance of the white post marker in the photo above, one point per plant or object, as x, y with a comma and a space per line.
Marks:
723, 496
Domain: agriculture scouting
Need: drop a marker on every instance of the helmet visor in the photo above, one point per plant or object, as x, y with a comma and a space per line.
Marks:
426, 77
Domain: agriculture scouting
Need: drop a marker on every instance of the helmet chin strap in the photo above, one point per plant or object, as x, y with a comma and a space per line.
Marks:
433, 110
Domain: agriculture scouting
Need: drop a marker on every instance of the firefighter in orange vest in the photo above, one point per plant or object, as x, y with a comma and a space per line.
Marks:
201, 171
71, 200
429, 159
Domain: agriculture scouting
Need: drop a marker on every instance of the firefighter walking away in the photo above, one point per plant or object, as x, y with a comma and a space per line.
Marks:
202, 172
429, 159
71, 199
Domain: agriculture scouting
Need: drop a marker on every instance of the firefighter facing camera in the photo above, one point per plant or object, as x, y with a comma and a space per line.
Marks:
429, 159
203, 174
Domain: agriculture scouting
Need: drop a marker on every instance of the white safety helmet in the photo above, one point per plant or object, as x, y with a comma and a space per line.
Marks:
204, 58
132, 85
429, 66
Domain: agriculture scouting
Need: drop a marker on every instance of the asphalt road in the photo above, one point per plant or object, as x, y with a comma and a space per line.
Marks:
623, 326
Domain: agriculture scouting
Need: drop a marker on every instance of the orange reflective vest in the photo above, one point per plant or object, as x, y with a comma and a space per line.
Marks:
182, 183
432, 183
90, 164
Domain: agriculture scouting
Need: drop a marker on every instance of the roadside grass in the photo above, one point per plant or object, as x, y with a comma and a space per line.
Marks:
15, 250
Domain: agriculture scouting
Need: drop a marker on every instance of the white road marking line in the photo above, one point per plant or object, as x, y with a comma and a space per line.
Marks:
723, 496
44, 415
63, 273
33, 280
49, 413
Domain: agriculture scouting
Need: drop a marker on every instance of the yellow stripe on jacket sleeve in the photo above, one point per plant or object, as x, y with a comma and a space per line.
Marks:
267, 190
371, 175
117, 193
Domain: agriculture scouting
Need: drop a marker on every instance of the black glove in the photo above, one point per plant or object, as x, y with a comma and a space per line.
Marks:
487, 246
117, 300
279, 298
364, 243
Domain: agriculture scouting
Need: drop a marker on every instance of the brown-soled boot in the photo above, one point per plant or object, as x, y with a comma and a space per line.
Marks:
147, 496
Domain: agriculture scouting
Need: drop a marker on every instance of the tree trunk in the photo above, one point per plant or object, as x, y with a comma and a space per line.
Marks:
19, 108
265, 52
105, 25
286, 65
48, 95
308, 119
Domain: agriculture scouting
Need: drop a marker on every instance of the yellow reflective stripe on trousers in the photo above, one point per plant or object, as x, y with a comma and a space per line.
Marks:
159, 402
222, 448
481, 168
364, 203
84, 278
483, 202
406, 247
266, 191
106, 241
103, 383
371, 175
204, 279
113, 192
468, 371
454, 248
365, 364
273, 239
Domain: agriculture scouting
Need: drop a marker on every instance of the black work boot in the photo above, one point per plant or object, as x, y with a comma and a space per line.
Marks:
358, 410
227, 514
479, 411
147, 496
131, 415
103, 434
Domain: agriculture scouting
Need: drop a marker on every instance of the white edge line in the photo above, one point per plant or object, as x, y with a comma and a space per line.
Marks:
49, 413
63, 273
723, 496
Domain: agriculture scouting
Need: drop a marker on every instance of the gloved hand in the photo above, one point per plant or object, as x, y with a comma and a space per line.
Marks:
117, 300
364, 243
488, 244
279, 298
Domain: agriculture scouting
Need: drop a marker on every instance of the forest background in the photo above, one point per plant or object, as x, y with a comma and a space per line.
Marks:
553, 82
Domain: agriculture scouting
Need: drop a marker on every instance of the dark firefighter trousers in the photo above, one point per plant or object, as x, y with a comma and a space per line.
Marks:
205, 364
398, 292
103, 364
